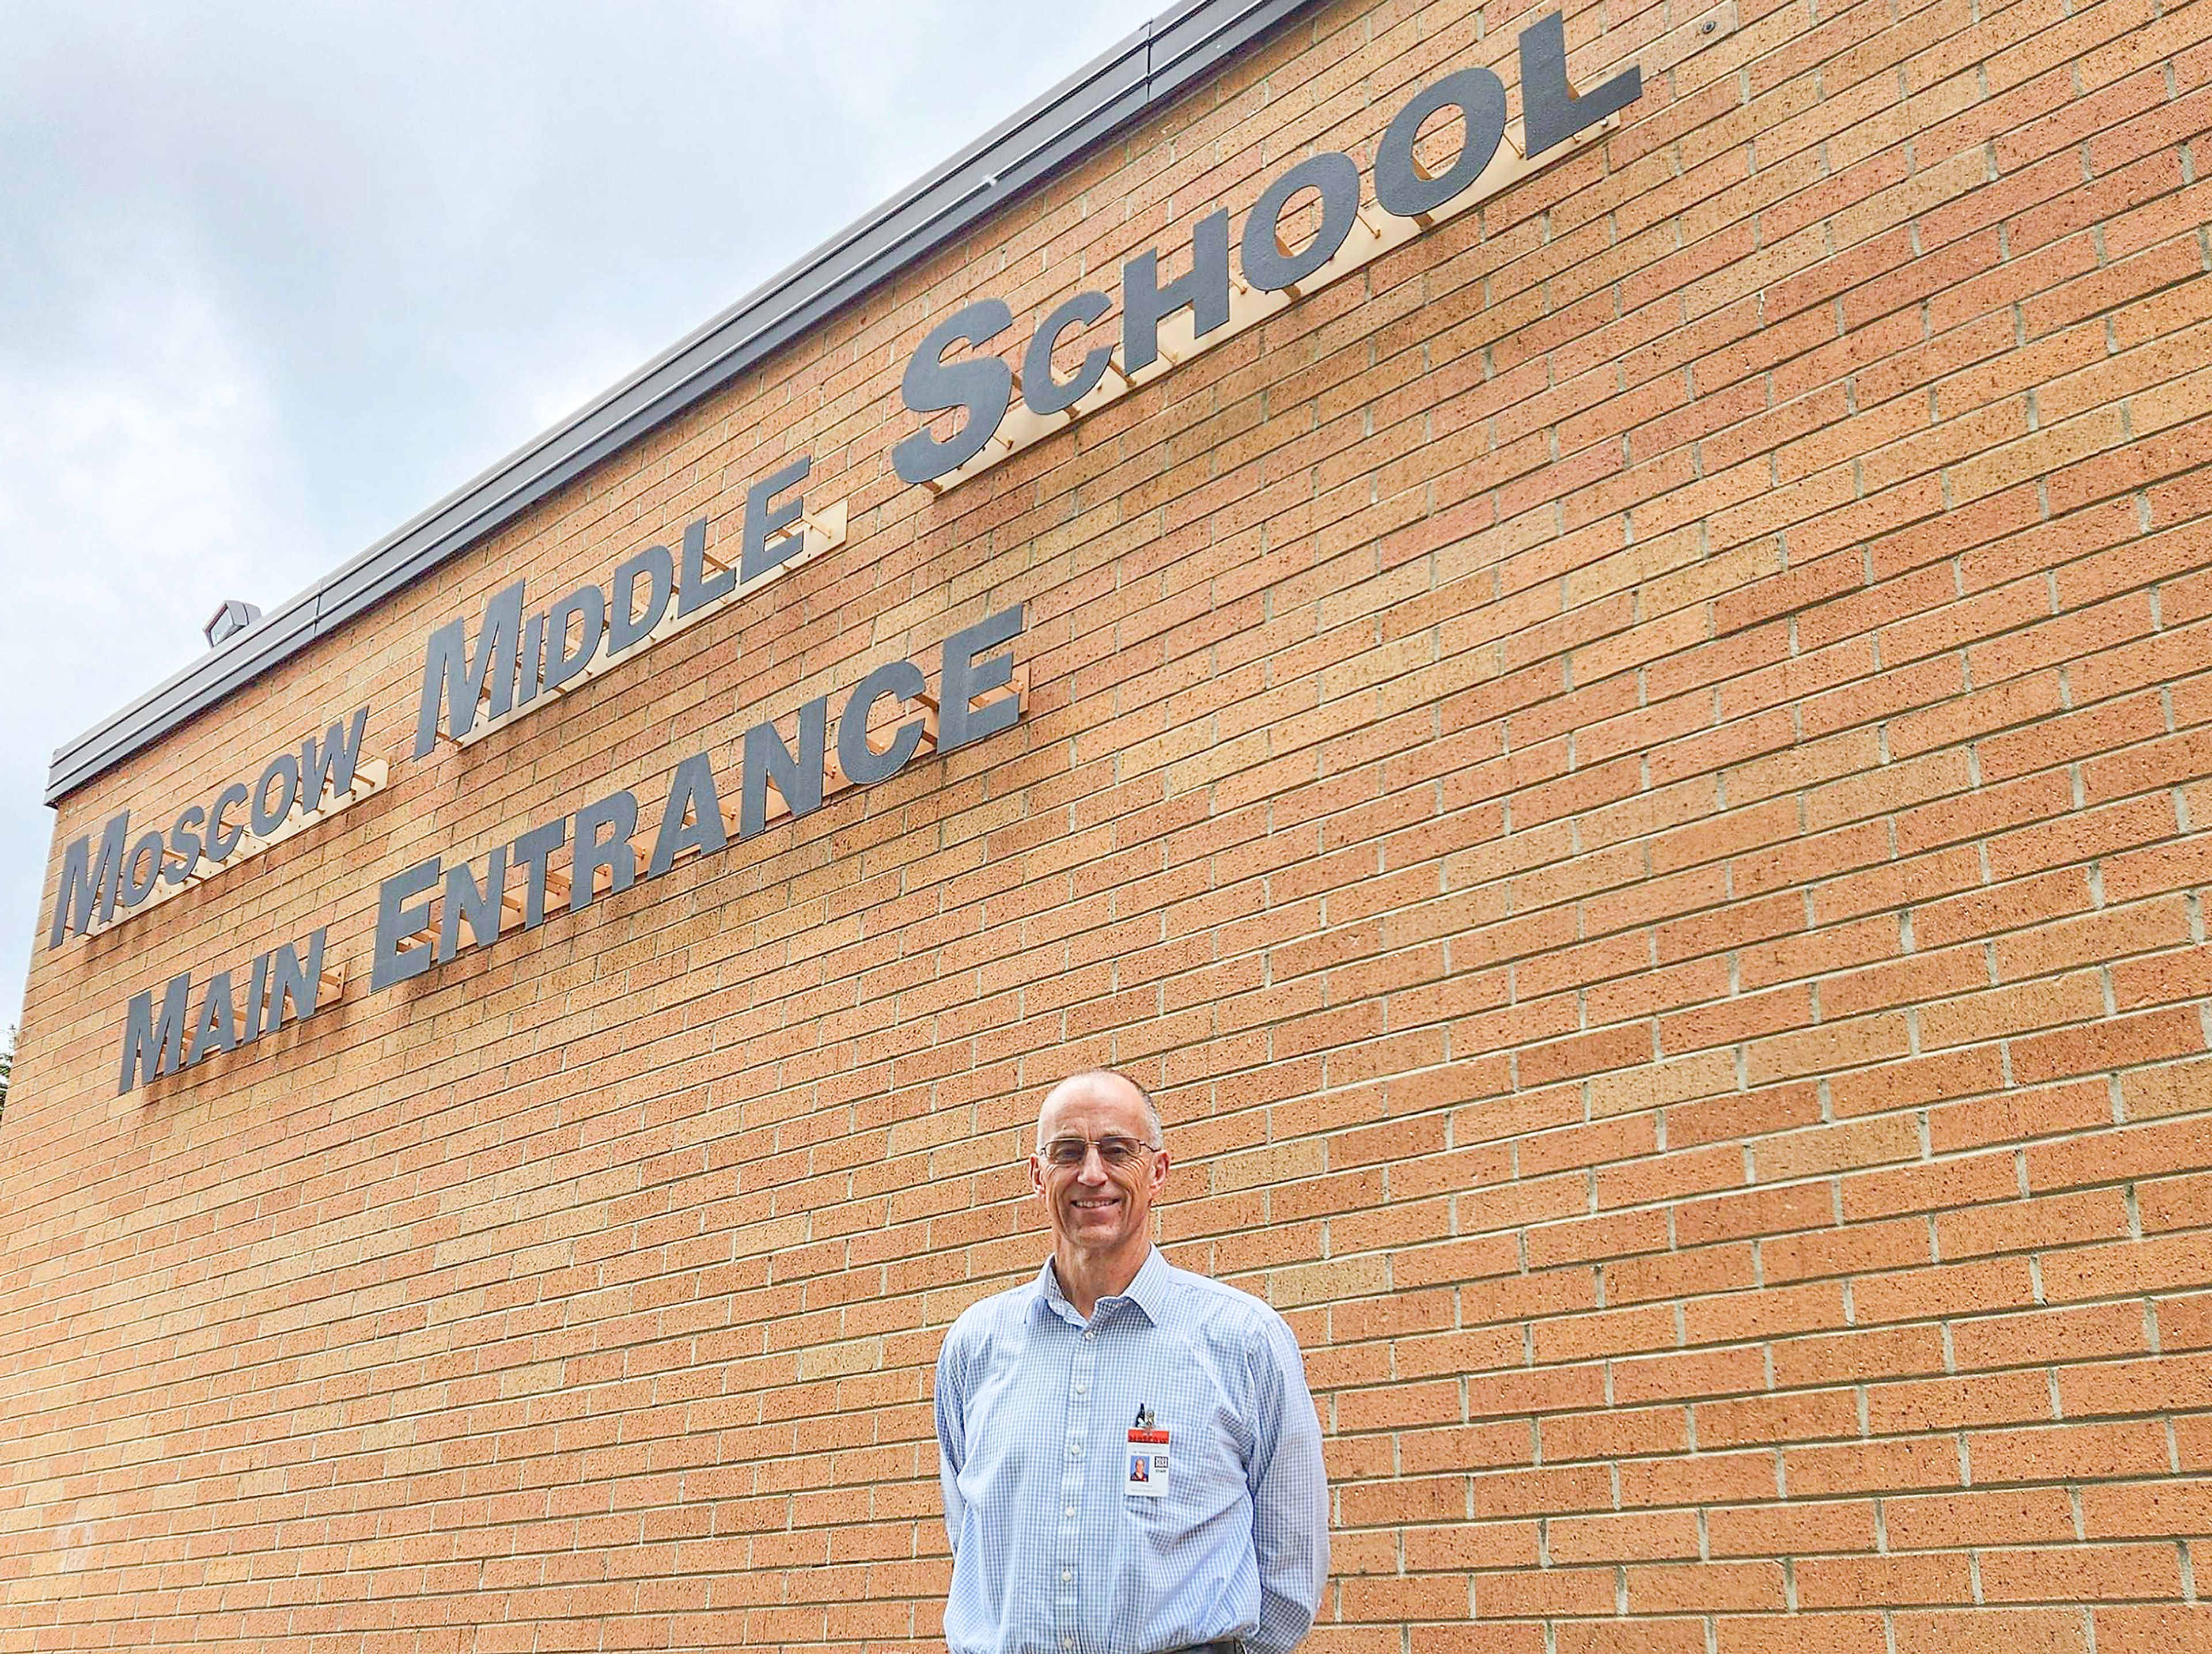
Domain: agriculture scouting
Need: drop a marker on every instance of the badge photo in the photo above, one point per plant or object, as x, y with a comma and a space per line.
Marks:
1144, 1474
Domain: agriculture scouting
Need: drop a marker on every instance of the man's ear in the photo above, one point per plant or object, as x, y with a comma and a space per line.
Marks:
1159, 1170
1037, 1177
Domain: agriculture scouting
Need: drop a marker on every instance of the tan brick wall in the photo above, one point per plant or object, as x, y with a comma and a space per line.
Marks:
1633, 775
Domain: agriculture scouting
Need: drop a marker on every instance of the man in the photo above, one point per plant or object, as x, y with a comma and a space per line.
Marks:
1130, 1459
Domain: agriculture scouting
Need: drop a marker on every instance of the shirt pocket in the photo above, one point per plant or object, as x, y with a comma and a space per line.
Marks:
1204, 1483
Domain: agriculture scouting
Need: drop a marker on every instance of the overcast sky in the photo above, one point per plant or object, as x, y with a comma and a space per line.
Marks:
276, 276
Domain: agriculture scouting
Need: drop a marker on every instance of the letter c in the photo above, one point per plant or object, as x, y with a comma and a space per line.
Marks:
856, 757
221, 840
1045, 394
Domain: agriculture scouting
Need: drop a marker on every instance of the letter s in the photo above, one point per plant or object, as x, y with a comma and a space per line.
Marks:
984, 386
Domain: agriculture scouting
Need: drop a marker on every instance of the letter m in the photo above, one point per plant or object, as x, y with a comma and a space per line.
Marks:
86, 880
152, 1047
458, 679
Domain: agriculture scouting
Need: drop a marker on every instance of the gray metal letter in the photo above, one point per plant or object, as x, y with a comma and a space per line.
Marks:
221, 840
692, 792
397, 920
984, 386
85, 878
184, 845
531, 851
660, 571
589, 603
965, 677
1266, 266
451, 674
696, 590
619, 811
1204, 288
1400, 185
1044, 393
1552, 112
481, 907
762, 520
256, 989
766, 758
151, 1046
293, 989
532, 661
860, 761
218, 1024
327, 770
135, 889
284, 768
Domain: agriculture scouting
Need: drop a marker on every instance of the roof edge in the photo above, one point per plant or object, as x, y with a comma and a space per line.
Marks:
1148, 69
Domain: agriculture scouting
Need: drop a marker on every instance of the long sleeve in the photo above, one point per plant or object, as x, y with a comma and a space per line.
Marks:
1290, 1494
951, 1434
1056, 1546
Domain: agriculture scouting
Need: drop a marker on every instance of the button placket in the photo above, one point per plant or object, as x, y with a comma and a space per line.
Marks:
1083, 1377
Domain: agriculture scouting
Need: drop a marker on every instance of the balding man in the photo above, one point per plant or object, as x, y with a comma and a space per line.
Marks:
1130, 1459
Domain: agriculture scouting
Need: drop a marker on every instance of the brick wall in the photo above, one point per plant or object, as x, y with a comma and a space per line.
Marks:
1633, 775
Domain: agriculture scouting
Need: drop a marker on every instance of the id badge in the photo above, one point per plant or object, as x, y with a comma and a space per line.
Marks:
1145, 1465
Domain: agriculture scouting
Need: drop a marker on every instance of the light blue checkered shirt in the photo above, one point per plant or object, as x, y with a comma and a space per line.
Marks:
1049, 1554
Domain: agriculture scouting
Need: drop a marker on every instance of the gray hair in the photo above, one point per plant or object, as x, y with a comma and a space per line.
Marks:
1143, 1098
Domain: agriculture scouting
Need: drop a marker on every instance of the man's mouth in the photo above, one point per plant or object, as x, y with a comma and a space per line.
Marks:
1103, 1203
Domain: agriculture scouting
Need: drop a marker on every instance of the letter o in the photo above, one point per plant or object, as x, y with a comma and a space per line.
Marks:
284, 768
1400, 185
135, 889
1267, 265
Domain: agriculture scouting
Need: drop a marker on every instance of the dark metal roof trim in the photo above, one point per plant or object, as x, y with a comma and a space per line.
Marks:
1149, 68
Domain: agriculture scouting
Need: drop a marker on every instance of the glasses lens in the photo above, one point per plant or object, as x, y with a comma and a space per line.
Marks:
1066, 1151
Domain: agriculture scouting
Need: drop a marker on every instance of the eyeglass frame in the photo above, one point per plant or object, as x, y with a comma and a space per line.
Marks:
1044, 1150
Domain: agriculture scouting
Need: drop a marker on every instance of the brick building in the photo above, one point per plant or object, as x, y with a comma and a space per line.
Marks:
1628, 756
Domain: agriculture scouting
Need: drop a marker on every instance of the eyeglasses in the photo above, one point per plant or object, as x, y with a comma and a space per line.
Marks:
1067, 1152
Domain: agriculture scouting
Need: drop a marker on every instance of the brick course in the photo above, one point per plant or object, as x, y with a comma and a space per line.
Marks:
1632, 775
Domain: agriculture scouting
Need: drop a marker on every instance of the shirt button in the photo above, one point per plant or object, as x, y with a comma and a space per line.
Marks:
1075, 1450
1091, 1337
1067, 1642
1069, 1512
1082, 1389
1067, 1573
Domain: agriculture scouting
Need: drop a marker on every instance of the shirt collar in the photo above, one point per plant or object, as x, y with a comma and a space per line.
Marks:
1148, 1290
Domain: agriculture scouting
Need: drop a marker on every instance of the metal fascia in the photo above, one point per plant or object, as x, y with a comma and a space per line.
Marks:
1153, 66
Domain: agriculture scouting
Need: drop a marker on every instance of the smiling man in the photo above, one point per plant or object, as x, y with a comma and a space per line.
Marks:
1130, 1458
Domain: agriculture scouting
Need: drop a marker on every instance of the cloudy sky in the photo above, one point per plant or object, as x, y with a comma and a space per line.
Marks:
275, 276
